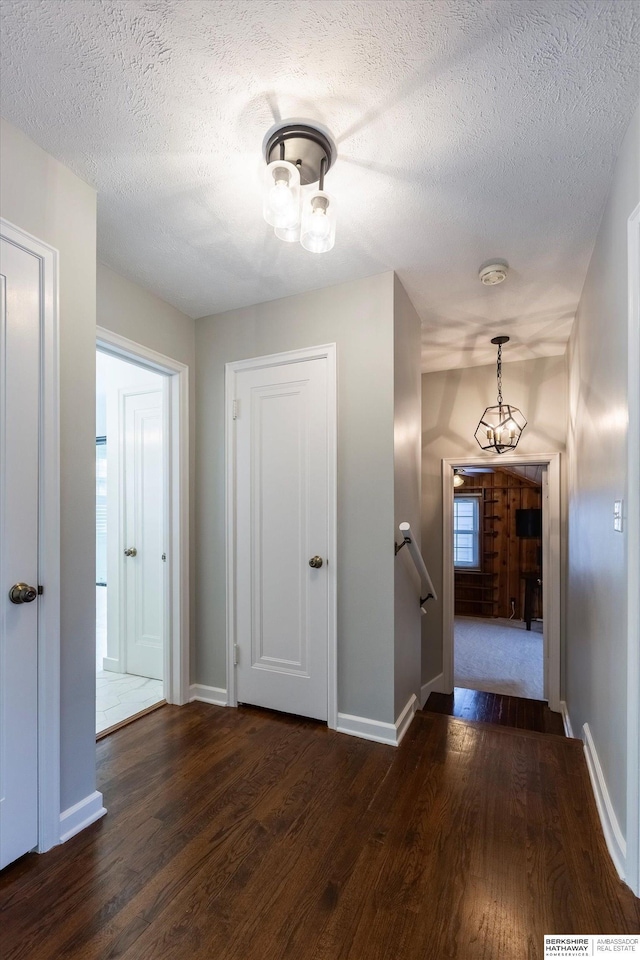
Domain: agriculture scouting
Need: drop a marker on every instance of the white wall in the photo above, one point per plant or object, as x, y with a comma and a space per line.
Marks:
358, 317
407, 449
44, 198
596, 658
452, 403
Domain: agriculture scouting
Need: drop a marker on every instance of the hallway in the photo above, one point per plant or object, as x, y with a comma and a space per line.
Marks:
242, 834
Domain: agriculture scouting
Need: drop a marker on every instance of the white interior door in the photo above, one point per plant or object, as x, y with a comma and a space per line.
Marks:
20, 300
282, 522
143, 526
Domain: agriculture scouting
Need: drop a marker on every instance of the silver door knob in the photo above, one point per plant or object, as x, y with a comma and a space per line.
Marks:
22, 593
315, 562
131, 552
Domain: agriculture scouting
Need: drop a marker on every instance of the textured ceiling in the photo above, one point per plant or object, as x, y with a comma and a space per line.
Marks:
466, 130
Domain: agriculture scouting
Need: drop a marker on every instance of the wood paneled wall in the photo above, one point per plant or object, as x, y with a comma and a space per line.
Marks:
505, 558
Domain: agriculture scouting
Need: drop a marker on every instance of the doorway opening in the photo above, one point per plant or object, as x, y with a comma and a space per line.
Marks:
498, 583
533, 602
131, 539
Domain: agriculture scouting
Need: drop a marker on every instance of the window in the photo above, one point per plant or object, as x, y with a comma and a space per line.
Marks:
466, 532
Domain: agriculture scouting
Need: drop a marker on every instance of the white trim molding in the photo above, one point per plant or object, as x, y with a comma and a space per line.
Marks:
433, 686
616, 843
325, 351
205, 694
389, 733
632, 543
177, 601
81, 815
49, 538
551, 562
566, 720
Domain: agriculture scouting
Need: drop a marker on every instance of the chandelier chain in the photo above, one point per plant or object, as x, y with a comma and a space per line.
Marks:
499, 372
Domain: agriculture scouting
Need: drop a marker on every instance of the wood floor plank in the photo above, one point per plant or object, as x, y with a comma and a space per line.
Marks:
497, 708
241, 834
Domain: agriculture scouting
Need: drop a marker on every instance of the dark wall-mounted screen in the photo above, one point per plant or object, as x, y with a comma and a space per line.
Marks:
529, 523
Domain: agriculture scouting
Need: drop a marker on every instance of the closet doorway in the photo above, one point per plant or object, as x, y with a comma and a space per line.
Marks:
131, 539
175, 470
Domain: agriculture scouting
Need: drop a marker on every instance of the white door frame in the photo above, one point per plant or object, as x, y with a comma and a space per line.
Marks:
328, 352
632, 865
176, 647
551, 560
48, 539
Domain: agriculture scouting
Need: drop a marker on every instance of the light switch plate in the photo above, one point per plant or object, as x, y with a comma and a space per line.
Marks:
617, 515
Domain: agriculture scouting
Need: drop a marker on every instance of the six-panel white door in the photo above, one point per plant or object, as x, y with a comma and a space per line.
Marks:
281, 610
143, 472
20, 301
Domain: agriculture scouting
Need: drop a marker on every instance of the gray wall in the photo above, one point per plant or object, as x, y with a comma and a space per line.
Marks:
358, 317
452, 403
126, 308
596, 679
406, 441
44, 198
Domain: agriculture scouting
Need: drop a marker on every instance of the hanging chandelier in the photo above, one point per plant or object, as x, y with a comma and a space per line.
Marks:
299, 155
500, 427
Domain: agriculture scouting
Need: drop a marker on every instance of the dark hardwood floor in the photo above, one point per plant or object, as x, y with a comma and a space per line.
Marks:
497, 708
244, 835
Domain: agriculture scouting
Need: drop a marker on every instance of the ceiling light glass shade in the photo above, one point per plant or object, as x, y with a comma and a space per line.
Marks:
500, 428
290, 234
318, 231
458, 480
281, 194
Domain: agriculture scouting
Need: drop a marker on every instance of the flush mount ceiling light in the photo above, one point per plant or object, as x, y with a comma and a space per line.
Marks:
501, 426
299, 155
458, 479
493, 273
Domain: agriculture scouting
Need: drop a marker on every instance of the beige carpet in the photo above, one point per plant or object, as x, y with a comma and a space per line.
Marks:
499, 656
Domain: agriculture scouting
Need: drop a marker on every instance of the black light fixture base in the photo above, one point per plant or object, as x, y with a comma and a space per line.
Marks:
302, 145
500, 340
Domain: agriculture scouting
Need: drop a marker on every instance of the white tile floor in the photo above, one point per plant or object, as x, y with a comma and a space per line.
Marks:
121, 695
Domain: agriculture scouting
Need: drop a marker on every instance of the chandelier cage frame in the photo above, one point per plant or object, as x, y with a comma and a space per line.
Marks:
501, 425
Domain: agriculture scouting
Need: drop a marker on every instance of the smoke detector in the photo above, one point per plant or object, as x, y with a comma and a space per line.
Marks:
493, 273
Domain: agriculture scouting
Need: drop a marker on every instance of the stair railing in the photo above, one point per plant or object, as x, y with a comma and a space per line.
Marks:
426, 585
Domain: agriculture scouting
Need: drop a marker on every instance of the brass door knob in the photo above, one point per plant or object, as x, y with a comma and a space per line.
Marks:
131, 552
315, 562
22, 593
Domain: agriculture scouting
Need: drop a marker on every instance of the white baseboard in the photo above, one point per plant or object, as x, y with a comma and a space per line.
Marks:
403, 722
391, 733
216, 695
111, 663
81, 815
566, 719
433, 686
616, 843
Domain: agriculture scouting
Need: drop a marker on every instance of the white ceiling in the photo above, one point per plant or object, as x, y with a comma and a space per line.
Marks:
466, 130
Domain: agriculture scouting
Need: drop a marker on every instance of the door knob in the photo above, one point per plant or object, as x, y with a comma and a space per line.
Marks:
22, 593
131, 552
315, 562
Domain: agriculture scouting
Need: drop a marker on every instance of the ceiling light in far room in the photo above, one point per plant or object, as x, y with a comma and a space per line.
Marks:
299, 155
500, 427
493, 273
458, 479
